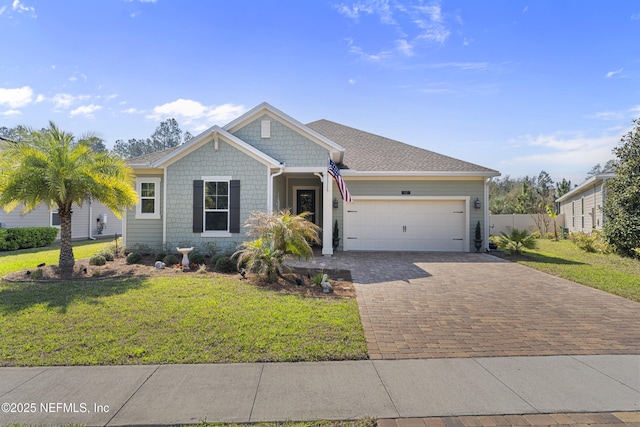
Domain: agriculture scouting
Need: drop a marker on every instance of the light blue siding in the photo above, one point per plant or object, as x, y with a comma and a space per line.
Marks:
284, 145
206, 161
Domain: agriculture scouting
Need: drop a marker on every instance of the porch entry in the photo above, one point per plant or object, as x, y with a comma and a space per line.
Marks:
306, 202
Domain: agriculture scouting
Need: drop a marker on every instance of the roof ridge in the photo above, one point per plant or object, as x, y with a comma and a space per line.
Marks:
366, 151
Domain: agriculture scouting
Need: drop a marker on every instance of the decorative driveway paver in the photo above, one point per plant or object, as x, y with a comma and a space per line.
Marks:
433, 305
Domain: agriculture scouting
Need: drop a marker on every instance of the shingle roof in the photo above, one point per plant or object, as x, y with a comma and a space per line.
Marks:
151, 157
366, 152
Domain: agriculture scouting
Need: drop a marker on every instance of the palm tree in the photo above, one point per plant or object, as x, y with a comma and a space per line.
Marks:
276, 236
53, 167
516, 241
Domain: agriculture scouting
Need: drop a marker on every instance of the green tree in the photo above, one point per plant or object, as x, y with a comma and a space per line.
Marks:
608, 167
53, 167
166, 135
563, 187
622, 205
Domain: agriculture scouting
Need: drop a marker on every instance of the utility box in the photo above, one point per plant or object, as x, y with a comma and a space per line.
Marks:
103, 218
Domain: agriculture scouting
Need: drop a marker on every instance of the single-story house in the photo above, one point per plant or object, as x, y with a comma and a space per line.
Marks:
403, 197
92, 220
582, 206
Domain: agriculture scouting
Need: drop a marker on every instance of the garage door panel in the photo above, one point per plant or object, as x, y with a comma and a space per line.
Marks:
412, 225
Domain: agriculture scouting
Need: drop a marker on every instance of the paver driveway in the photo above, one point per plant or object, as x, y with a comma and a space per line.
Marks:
429, 305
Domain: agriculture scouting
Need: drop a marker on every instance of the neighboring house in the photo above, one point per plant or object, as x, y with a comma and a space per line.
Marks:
404, 197
92, 220
582, 206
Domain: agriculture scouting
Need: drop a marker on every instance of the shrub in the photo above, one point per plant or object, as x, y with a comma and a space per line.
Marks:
215, 258
98, 259
170, 260
12, 239
107, 255
593, 242
134, 258
196, 258
225, 264
516, 241
536, 235
160, 256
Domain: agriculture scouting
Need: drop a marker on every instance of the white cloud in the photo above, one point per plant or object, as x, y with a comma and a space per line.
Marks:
404, 47
132, 111
11, 113
565, 150
76, 76
415, 22
613, 73
2, 9
352, 81
85, 110
635, 16
353, 12
16, 98
189, 111
370, 57
618, 115
21, 8
63, 101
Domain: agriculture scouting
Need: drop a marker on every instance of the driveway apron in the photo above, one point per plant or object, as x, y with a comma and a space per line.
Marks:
438, 305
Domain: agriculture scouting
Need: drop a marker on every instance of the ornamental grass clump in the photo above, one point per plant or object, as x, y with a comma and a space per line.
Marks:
276, 236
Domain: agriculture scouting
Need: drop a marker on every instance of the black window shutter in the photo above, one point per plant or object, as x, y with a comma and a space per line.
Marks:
234, 206
198, 207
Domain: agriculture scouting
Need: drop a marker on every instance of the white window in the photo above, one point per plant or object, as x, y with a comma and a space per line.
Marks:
148, 198
54, 218
216, 206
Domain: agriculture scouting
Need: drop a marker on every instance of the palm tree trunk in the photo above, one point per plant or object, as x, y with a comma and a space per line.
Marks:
66, 260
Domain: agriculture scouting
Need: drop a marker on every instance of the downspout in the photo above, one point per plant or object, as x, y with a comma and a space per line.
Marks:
486, 213
270, 189
163, 199
90, 220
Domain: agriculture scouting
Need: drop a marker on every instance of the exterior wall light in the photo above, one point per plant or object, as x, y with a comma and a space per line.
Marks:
335, 203
477, 203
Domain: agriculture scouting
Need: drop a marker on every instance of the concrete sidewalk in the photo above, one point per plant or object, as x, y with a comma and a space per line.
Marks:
176, 394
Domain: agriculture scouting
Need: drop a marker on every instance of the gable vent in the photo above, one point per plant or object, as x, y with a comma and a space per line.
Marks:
265, 129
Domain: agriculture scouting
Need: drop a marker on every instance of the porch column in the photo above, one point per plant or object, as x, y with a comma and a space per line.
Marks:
327, 215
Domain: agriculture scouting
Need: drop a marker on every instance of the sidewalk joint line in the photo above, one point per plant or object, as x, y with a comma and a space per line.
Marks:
45, 368
255, 396
475, 359
395, 408
574, 357
133, 394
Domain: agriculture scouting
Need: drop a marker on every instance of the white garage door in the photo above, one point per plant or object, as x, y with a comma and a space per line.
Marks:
405, 225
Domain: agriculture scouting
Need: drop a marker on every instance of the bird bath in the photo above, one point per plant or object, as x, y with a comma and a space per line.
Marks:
185, 256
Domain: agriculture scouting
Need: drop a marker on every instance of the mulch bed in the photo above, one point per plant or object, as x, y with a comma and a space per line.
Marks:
118, 268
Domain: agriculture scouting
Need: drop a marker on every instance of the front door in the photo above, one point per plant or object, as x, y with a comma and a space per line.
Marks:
306, 202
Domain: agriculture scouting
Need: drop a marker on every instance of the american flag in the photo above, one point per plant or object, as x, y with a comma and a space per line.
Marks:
335, 173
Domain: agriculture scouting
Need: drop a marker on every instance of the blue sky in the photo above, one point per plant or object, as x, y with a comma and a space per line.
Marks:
517, 86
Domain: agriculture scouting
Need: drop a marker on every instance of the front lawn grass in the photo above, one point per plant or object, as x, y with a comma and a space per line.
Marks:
30, 258
610, 272
181, 319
